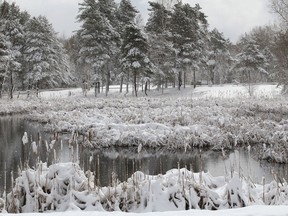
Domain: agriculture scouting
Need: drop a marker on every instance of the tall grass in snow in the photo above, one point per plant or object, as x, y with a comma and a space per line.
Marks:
64, 187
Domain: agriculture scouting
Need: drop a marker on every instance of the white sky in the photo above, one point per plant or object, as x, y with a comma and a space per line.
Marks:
232, 17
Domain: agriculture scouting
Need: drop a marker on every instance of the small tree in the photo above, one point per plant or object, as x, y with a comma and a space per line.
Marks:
250, 62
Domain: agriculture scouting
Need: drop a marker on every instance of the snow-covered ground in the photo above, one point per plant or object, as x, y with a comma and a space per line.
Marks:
248, 211
219, 117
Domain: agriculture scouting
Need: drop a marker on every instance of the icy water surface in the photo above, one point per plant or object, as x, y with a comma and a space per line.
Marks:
124, 162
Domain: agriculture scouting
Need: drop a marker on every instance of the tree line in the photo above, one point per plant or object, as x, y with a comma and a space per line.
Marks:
113, 46
31, 54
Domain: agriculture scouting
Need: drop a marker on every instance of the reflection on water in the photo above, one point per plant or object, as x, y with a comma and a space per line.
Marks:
122, 162
153, 162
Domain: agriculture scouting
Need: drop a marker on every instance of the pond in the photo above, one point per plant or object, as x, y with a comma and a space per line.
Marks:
122, 162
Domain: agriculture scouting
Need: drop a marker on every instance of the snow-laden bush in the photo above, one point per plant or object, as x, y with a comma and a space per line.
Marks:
64, 186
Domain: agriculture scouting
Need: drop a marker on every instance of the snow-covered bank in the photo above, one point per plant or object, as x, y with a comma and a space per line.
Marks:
217, 117
247, 211
64, 187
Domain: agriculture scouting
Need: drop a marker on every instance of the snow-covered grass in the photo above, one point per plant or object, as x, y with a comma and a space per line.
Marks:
219, 117
65, 187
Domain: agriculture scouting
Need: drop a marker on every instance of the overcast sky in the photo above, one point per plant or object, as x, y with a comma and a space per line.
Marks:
232, 17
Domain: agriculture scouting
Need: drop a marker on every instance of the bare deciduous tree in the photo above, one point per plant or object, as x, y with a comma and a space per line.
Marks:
280, 8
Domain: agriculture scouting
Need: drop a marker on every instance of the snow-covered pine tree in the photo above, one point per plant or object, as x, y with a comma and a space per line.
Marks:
161, 52
45, 59
134, 52
98, 36
13, 30
187, 37
72, 47
217, 53
4, 58
250, 62
126, 14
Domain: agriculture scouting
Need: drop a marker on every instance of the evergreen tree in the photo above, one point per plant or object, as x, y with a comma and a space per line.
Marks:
186, 36
72, 47
46, 63
161, 50
250, 62
4, 58
13, 30
98, 36
218, 52
126, 15
134, 55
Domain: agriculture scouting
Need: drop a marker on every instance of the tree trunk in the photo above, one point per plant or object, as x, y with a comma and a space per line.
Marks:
194, 78
1, 86
184, 79
95, 88
127, 84
174, 82
135, 82
11, 86
179, 80
121, 84
107, 81
146, 87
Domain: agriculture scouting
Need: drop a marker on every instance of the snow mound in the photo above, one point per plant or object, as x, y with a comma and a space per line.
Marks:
65, 186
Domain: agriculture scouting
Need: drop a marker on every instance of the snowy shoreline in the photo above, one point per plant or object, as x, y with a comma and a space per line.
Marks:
65, 187
172, 121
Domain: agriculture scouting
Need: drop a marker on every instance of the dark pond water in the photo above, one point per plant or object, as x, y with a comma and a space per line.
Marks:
123, 162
